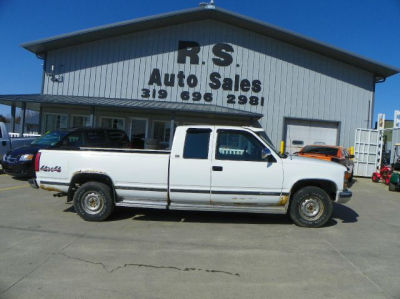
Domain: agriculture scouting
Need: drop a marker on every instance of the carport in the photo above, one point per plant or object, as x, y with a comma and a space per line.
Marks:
137, 114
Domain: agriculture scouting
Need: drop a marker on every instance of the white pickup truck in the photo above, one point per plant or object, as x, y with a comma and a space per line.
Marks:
209, 168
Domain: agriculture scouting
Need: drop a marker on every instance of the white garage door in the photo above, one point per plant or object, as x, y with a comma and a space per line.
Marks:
304, 132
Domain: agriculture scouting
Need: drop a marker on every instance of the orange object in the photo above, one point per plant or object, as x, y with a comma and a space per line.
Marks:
332, 153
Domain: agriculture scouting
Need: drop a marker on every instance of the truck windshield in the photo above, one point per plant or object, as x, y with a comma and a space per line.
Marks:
50, 139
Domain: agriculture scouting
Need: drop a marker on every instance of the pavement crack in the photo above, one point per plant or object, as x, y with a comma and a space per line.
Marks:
355, 267
139, 265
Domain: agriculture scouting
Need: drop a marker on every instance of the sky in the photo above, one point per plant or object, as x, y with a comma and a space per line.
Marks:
370, 28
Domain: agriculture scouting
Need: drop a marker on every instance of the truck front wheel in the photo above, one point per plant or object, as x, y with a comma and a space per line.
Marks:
93, 201
310, 207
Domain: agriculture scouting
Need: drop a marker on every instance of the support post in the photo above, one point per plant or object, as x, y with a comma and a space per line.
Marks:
12, 127
92, 118
22, 121
171, 131
40, 119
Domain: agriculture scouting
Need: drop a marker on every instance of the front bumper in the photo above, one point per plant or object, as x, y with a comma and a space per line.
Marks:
343, 196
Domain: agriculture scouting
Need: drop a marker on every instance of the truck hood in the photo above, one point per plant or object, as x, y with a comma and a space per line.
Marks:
314, 162
303, 168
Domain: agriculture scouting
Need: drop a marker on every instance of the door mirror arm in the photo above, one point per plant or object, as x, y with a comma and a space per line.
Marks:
265, 154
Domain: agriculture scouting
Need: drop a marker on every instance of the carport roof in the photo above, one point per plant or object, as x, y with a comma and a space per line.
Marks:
40, 47
144, 105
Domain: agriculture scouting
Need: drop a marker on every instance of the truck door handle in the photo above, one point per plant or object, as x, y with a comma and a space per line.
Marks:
217, 168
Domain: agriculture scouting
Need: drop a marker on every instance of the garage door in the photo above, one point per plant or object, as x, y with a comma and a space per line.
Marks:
304, 132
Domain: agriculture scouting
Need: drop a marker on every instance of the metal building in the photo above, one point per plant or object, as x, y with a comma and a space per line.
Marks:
203, 65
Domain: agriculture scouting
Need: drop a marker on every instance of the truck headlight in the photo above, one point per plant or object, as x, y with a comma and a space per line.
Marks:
26, 157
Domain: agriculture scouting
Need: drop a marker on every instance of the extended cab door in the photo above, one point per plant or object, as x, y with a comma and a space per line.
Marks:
240, 176
190, 167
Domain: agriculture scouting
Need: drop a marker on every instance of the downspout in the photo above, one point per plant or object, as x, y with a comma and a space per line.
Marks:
376, 79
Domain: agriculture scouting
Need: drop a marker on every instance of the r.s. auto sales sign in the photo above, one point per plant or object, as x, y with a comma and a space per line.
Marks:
243, 91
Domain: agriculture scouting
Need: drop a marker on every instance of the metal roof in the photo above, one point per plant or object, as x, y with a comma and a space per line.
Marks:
144, 105
201, 13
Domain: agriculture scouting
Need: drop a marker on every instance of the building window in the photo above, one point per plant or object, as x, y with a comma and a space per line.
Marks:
81, 121
161, 133
138, 132
112, 123
54, 121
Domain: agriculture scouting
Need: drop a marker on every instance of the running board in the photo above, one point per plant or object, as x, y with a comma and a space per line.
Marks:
242, 209
210, 208
141, 204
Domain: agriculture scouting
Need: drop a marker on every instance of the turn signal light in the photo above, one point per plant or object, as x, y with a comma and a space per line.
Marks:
37, 161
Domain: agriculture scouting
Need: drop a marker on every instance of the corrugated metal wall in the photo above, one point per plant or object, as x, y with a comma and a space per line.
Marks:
295, 82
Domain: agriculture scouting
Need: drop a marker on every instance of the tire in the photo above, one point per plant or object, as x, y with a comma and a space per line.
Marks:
310, 207
392, 187
375, 178
93, 201
387, 179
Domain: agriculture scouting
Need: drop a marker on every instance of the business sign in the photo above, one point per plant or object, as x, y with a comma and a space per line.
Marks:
396, 119
242, 91
381, 121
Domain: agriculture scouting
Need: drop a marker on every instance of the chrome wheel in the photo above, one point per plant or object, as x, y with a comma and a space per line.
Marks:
311, 208
93, 202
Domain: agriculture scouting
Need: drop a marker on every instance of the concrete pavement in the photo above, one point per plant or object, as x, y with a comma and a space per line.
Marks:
47, 251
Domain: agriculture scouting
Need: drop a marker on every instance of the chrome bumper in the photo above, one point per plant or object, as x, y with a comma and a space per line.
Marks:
343, 196
33, 183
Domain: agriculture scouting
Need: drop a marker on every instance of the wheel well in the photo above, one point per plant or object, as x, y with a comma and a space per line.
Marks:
328, 186
81, 178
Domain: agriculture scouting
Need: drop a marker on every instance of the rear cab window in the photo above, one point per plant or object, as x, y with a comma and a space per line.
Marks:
197, 143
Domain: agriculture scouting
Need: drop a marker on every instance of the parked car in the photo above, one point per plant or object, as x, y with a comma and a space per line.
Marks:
7, 143
332, 153
19, 162
209, 168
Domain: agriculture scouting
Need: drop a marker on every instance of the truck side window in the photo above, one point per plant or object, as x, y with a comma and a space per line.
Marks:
238, 146
196, 144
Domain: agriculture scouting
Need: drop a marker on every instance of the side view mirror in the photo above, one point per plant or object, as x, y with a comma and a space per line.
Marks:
265, 153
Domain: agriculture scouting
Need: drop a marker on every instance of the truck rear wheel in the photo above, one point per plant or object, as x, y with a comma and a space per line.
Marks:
93, 201
310, 207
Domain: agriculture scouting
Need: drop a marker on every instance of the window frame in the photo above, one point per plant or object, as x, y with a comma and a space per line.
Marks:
44, 120
80, 115
112, 117
241, 132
